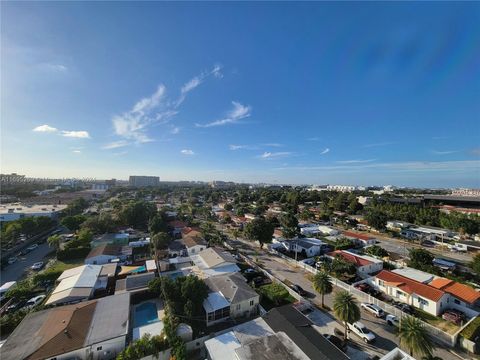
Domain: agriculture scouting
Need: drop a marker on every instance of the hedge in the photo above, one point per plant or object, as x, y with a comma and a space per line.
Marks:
70, 254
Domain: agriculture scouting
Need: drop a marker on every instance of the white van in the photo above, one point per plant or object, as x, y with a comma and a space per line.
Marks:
5, 287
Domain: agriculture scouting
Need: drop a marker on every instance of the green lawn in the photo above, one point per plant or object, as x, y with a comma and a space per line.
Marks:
273, 295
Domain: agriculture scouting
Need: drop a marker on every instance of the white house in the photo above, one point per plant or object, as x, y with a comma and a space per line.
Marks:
194, 242
94, 330
80, 283
105, 254
230, 297
423, 296
360, 239
318, 229
11, 212
214, 261
366, 265
307, 246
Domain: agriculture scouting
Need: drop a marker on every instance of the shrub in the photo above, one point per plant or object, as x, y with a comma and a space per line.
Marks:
472, 330
74, 253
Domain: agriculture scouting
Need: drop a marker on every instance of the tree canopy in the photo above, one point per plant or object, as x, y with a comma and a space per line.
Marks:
261, 230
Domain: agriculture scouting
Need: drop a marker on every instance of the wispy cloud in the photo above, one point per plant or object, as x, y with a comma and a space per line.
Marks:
355, 161
237, 113
439, 137
386, 143
327, 150
187, 152
45, 128
80, 134
77, 151
53, 67
115, 145
155, 109
274, 155
272, 145
475, 152
446, 152
175, 130
242, 147
76, 134
313, 139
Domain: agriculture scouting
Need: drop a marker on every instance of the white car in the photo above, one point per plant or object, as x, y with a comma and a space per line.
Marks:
12, 260
361, 330
32, 247
34, 301
392, 320
373, 309
37, 265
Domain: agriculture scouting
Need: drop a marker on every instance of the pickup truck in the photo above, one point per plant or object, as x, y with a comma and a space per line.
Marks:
361, 330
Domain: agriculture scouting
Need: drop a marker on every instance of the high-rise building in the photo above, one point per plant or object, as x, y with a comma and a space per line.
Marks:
141, 181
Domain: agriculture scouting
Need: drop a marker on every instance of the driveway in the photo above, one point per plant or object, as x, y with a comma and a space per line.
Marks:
17, 270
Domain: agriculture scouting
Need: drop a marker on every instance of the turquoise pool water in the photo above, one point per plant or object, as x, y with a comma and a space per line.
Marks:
176, 274
145, 314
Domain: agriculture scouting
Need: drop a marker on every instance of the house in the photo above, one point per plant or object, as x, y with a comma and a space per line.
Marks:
177, 226
283, 333
214, 261
105, 253
95, 329
229, 291
194, 242
308, 247
366, 265
462, 296
360, 239
423, 296
81, 282
396, 225
414, 274
318, 229
177, 248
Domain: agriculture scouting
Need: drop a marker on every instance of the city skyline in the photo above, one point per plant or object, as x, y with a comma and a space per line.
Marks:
306, 94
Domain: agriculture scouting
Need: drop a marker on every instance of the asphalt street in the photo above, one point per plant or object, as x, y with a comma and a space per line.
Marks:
16, 270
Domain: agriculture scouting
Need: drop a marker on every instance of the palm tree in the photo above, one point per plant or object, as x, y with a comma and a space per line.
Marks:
322, 284
414, 337
346, 309
54, 241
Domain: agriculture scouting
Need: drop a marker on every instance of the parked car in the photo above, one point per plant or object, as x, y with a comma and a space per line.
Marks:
14, 307
363, 287
249, 271
407, 309
12, 260
298, 289
335, 340
372, 309
428, 243
37, 266
309, 261
35, 301
392, 320
454, 316
361, 330
32, 247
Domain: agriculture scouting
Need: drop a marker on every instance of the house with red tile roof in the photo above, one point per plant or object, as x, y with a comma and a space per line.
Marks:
462, 296
366, 265
423, 296
177, 226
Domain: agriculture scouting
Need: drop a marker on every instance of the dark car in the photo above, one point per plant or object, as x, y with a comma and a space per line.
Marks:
14, 307
339, 343
407, 309
428, 243
298, 289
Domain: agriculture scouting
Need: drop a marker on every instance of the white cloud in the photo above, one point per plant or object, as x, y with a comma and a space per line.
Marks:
115, 144
175, 130
446, 152
45, 128
242, 147
77, 151
237, 113
273, 144
313, 139
355, 161
151, 102
327, 150
53, 67
217, 71
192, 84
272, 155
187, 152
76, 134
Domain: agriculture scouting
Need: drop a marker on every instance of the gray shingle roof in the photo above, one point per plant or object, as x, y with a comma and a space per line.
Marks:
233, 286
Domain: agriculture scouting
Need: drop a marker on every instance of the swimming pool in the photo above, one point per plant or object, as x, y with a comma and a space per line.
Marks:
145, 314
176, 274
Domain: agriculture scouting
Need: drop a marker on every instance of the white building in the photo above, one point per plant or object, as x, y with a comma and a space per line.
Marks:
318, 229
366, 265
93, 330
11, 212
307, 246
342, 188
80, 283
105, 254
143, 181
213, 261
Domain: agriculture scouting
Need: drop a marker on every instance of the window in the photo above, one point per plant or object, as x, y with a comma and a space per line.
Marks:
456, 301
251, 302
423, 302
99, 348
400, 293
381, 282
238, 306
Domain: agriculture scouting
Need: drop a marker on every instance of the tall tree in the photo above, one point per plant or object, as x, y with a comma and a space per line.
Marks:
414, 337
289, 224
346, 309
54, 241
160, 240
322, 284
261, 230
475, 265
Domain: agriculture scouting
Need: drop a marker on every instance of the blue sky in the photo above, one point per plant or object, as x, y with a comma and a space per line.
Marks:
348, 93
